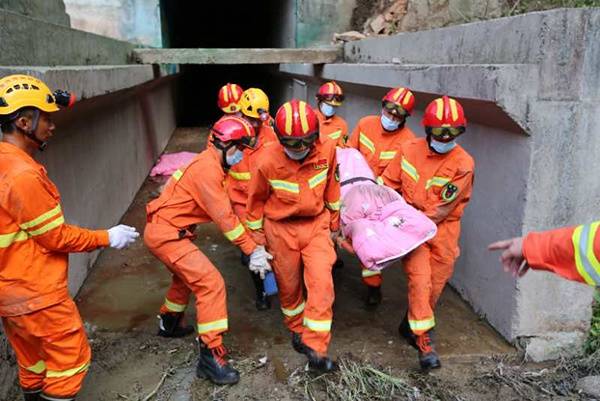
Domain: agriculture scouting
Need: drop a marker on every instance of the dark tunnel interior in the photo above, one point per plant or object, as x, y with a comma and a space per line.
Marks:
225, 24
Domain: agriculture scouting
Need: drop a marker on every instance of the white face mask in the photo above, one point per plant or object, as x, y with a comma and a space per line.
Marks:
388, 124
327, 109
235, 158
296, 155
442, 147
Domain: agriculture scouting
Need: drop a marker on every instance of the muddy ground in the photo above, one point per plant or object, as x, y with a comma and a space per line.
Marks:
121, 297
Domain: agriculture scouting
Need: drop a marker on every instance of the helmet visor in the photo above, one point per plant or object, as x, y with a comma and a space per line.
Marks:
394, 109
446, 132
298, 142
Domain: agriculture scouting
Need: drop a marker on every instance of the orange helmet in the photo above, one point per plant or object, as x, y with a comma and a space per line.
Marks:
234, 130
399, 101
229, 97
296, 120
331, 93
444, 112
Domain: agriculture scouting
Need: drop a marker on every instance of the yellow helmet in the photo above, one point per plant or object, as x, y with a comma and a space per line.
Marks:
255, 103
18, 91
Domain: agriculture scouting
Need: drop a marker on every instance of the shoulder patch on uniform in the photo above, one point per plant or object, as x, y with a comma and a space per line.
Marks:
450, 192
320, 164
337, 172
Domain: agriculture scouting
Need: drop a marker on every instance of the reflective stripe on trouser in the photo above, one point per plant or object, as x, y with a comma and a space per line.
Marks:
370, 277
192, 272
307, 243
427, 276
51, 348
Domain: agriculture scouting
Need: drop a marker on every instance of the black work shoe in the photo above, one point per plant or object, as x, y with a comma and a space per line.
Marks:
32, 395
428, 358
373, 296
213, 365
297, 343
172, 325
406, 333
322, 364
262, 299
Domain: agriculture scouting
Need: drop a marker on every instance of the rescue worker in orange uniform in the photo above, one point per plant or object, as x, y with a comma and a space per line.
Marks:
40, 319
293, 205
379, 138
195, 194
229, 98
254, 107
570, 252
331, 126
435, 175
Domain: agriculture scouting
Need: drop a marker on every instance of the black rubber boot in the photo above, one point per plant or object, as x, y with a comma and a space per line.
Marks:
406, 333
428, 358
322, 364
373, 297
172, 325
32, 395
262, 300
213, 365
297, 343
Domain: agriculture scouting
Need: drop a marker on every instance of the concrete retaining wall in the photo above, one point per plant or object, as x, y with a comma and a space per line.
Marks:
530, 86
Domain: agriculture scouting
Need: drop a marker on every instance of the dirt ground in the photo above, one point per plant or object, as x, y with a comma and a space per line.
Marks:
121, 297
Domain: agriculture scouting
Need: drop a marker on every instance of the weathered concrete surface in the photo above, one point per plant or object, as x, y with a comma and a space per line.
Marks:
29, 41
317, 20
540, 71
237, 56
52, 11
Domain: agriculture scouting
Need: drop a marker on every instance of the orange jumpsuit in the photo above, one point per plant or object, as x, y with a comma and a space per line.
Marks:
40, 319
379, 147
440, 186
571, 252
333, 128
195, 194
293, 206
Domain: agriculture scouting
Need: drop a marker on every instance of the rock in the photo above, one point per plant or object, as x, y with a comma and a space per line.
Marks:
348, 36
377, 24
590, 386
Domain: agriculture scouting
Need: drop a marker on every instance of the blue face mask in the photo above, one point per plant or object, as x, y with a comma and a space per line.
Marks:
234, 158
442, 147
296, 155
388, 124
327, 109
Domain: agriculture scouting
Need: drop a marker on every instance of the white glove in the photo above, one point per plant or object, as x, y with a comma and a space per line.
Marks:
122, 236
259, 261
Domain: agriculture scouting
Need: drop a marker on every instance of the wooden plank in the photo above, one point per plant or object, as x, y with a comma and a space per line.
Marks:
237, 56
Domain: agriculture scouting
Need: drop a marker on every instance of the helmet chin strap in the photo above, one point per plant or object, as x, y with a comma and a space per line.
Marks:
31, 133
223, 150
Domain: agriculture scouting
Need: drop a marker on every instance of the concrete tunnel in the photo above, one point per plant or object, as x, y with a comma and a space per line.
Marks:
525, 81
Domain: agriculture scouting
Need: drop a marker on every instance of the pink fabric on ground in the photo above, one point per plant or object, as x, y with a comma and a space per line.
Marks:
168, 163
378, 221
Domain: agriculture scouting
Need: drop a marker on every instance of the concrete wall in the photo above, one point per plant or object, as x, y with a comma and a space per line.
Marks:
530, 86
52, 11
318, 20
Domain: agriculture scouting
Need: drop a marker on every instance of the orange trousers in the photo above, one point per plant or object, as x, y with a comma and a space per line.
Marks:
192, 272
428, 268
303, 256
51, 348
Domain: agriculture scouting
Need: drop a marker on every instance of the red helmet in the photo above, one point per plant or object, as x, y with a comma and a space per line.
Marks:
331, 92
296, 119
233, 129
402, 99
229, 97
444, 112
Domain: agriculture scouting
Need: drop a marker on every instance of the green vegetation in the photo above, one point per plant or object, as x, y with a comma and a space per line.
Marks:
525, 6
592, 343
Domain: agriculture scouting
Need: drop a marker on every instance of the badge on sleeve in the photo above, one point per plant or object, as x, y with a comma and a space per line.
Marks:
337, 172
321, 164
450, 192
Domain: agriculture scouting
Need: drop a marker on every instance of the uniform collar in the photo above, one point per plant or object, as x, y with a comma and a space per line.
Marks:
9, 148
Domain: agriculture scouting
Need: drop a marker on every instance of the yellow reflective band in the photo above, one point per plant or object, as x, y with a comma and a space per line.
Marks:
42, 218
303, 120
240, 176
225, 94
294, 312
407, 98
255, 224
317, 325
173, 307
439, 108
410, 169
586, 260
335, 206
380, 180
7, 240
48, 227
177, 175
68, 373
288, 118
335, 134
437, 182
364, 140
38, 368
370, 273
453, 109
235, 233
318, 179
285, 186
421, 325
213, 326
387, 155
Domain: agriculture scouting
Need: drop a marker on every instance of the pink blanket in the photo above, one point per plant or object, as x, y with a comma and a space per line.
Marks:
378, 221
168, 163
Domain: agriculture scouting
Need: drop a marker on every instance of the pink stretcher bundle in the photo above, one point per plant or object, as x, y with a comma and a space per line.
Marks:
168, 163
380, 224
